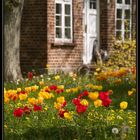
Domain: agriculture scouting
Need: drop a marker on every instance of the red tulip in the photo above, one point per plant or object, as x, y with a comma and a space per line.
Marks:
30, 75
80, 95
106, 102
27, 110
18, 112
53, 87
59, 91
61, 113
47, 90
37, 108
85, 93
22, 92
76, 101
81, 108
104, 95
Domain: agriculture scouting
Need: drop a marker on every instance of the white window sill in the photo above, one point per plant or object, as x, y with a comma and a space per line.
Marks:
61, 44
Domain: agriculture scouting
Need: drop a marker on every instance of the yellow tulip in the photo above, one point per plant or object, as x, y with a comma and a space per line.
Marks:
51, 95
22, 97
18, 89
57, 77
97, 103
14, 91
5, 91
60, 87
84, 102
42, 94
60, 100
93, 95
46, 108
67, 116
48, 95
68, 90
57, 105
74, 90
123, 105
6, 100
28, 89
130, 93
34, 88
98, 69
41, 83
32, 101
40, 100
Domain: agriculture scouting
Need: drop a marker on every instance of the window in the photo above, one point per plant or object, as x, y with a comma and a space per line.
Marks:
63, 21
123, 19
119, 1
92, 4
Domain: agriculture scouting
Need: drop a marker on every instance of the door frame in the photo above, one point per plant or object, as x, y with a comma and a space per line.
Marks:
85, 20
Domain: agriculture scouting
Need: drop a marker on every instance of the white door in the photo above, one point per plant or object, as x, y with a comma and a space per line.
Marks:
91, 28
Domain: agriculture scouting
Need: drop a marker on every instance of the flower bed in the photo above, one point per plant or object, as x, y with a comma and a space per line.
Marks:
70, 106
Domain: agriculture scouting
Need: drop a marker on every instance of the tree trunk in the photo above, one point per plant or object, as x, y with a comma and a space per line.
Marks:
12, 71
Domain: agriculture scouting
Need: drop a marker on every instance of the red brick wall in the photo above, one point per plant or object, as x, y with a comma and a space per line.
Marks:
33, 43
107, 23
63, 56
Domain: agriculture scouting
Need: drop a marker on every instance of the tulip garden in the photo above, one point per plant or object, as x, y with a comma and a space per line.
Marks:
70, 106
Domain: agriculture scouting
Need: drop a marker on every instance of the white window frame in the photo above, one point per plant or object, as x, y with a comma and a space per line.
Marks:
63, 39
123, 7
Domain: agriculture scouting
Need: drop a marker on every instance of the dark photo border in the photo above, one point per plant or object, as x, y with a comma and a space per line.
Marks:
137, 62
2, 67
1, 72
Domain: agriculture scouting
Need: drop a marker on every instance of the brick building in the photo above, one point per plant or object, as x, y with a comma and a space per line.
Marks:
61, 32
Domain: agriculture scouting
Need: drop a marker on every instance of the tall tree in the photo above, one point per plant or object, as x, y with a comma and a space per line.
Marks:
12, 21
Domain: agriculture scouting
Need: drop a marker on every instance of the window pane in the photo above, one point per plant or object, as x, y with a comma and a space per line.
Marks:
119, 13
127, 1
67, 9
67, 33
58, 33
118, 34
58, 20
67, 21
127, 24
58, 9
127, 35
127, 14
118, 24
119, 1
92, 4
